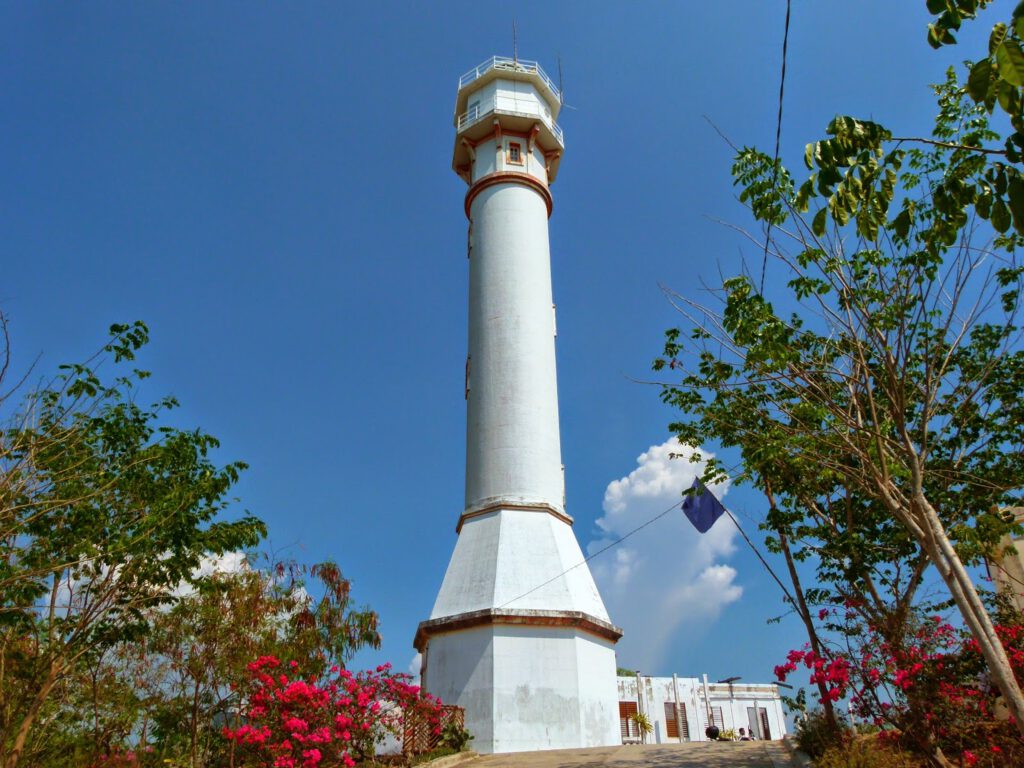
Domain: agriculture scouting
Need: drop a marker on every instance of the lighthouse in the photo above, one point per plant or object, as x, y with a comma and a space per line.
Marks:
518, 635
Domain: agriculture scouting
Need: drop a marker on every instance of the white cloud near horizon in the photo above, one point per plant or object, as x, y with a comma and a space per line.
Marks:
666, 578
229, 562
72, 591
415, 664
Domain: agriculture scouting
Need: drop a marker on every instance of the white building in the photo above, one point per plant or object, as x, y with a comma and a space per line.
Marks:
681, 708
518, 635
1006, 569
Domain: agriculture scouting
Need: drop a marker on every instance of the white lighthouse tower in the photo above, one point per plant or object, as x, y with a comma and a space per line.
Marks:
519, 635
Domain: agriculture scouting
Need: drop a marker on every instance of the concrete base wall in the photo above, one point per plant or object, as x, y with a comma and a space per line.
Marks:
527, 688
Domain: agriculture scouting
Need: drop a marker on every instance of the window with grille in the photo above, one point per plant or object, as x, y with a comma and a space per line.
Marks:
629, 729
717, 719
672, 724
515, 153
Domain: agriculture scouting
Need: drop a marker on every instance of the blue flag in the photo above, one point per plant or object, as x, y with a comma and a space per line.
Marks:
702, 508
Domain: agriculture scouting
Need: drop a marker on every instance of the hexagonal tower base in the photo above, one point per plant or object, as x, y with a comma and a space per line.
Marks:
520, 638
527, 686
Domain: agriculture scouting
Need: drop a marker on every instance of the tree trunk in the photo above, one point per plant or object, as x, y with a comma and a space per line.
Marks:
194, 725
28, 720
812, 633
978, 621
94, 681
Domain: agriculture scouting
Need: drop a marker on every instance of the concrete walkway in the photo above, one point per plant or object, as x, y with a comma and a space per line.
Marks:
738, 754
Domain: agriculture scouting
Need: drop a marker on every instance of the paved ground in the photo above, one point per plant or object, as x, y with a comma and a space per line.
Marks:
739, 754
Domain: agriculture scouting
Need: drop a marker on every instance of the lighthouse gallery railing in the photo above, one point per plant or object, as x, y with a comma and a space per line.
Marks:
489, 106
509, 65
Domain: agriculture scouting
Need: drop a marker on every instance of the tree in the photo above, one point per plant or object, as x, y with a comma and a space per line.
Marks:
899, 378
104, 511
194, 660
643, 724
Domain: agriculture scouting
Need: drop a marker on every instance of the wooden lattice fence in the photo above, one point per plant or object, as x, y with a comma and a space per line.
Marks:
418, 734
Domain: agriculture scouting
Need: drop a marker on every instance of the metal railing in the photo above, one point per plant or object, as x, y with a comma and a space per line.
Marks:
509, 65
489, 106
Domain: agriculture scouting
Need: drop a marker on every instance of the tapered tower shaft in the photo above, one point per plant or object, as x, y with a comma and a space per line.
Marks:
513, 453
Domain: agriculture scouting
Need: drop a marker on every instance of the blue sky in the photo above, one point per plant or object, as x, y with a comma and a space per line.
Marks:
268, 186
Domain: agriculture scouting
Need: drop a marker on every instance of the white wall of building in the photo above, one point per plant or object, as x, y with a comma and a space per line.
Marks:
517, 96
483, 100
735, 703
486, 160
513, 96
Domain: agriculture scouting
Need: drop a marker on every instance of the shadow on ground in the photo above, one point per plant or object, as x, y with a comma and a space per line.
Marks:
746, 754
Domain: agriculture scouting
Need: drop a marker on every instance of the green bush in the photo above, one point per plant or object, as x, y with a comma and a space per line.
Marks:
455, 737
867, 752
814, 736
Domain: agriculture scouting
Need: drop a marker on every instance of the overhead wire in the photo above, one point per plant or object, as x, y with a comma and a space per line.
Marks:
778, 140
764, 264
591, 557
639, 528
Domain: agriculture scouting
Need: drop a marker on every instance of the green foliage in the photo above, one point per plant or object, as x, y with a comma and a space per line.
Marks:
455, 737
994, 82
814, 735
643, 723
105, 510
180, 683
796, 704
867, 752
107, 633
882, 418
328, 629
890, 357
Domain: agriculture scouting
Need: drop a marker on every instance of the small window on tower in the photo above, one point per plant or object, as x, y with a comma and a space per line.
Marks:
515, 153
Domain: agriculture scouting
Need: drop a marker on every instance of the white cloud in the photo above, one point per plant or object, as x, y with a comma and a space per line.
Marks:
667, 578
73, 591
229, 562
414, 667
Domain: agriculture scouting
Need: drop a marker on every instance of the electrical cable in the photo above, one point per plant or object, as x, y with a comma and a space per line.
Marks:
640, 527
778, 139
591, 557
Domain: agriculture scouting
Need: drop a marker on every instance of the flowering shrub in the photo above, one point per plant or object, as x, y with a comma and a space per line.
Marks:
291, 722
834, 673
116, 758
925, 689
